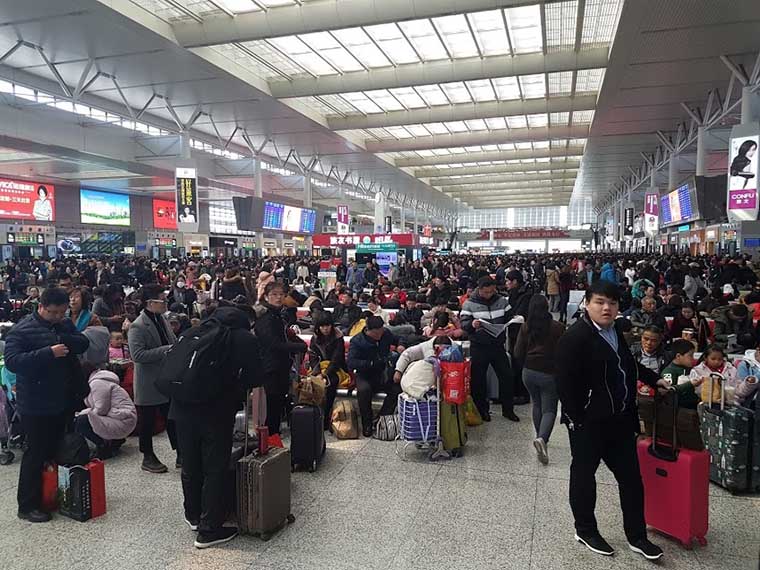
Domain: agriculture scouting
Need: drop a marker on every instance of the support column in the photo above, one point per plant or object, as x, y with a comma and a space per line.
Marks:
701, 151
621, 225
307, 190
673, 172
402, 215
747, 114
258, 190
379, 213
184, 145
414, 230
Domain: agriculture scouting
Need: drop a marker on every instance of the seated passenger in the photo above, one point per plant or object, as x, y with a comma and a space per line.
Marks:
346, 313
110, 415
713, 361
374, 308
673, 307
681, 365
412, 313
327, 356
685, 319
650, 352
117, 347
369, 356
748, 374
442, 326
734, 320
647, 316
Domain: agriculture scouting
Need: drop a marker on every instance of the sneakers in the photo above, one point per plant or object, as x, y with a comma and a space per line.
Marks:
35, 516
510, 415
543, 453
209, 539
646, 549
151, 464
595, 543
367, 431
192, 523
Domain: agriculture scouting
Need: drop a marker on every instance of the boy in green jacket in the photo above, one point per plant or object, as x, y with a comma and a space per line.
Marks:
681, 366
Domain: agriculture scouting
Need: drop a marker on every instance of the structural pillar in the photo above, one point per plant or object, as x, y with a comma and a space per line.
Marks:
307, 191
414, 229
258, 190
621, 224
701, 151
402, 215
379, 213
184, 146
747, 113
673, 172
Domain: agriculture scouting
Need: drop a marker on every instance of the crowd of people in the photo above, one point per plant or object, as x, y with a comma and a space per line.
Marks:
511, 309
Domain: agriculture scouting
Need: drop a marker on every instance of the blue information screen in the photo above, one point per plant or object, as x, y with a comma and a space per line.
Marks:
289, 218
665, 210
684, 200
273, 216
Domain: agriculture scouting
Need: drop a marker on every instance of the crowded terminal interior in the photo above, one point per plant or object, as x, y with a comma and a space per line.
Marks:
387, 285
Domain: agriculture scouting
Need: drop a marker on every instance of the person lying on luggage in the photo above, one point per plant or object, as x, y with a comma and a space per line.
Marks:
681, 366
421, 351
369, 356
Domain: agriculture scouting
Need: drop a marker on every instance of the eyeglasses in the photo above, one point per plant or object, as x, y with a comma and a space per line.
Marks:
161, 301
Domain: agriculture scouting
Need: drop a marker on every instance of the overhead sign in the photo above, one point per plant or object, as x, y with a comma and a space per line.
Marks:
375, 247
628, 222
22, 200
742, 202
525, 234
332, 240
427, 230
187, 199
343, 219
651, 213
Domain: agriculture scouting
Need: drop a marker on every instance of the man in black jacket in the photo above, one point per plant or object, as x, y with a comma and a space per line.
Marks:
41, 349
369, 356
596, 379
204, 432
440, 293
518, 295
346, 313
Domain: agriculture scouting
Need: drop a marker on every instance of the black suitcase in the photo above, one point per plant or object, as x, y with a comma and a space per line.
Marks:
307, 437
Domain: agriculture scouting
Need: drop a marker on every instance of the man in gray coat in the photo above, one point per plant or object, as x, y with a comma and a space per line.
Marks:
150, 337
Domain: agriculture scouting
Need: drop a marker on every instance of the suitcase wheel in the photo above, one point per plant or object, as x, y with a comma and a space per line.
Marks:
702, 541
291, 519
6, 458
313, 467
266, 536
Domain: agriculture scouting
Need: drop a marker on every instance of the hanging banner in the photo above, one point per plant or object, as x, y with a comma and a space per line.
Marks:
651, 213
742, 202
343, 220
628, 222
187, 199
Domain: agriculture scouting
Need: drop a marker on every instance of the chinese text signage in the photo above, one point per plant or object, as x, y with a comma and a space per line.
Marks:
22, 200
187, 199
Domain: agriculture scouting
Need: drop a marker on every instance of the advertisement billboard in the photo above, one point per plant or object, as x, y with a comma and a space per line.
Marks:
164, 214
21, 200
104, 208
628, 222
187, 199
343, 220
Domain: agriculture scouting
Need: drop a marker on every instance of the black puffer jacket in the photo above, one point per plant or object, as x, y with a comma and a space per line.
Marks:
331, 349
44, 384
276, 350
368, 356
588, 376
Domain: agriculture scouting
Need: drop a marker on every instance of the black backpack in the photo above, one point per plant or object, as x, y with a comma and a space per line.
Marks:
196, 369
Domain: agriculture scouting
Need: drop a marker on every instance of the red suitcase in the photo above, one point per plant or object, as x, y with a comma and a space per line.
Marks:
97, 487
676, 484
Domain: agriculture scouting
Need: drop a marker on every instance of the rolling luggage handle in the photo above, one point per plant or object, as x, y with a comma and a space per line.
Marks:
722, 391
672, 453
261, 431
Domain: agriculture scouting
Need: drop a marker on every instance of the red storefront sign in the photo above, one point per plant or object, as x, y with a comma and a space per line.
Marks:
21, 200
332, 240
164, 214
524, 234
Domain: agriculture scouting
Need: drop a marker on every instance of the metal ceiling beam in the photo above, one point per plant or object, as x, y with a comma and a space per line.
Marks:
478, 138
322, 16
464, 112
517, 203
464, 158
529, 188
442, 71
568, 176
497, 169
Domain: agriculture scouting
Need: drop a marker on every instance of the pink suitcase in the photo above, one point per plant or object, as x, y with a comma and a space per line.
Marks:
676, 484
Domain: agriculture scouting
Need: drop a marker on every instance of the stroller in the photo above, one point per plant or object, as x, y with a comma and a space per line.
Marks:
6, 455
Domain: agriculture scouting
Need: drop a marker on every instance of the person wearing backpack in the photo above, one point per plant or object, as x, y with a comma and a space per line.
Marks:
150, 337
205, 416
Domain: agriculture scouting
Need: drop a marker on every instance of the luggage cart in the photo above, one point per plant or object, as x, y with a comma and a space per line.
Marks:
419, 427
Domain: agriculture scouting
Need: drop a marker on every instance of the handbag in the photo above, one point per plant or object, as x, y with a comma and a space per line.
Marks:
387, 428
345, 420
310, 391
714, 385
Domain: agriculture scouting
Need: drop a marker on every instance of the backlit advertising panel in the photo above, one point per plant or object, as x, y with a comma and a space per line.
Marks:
22, 200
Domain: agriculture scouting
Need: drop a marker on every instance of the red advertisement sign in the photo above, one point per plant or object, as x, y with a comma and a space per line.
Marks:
21, 200
525, 234
164, 214
332, 240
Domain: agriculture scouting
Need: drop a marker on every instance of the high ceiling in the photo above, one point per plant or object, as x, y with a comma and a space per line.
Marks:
435, 103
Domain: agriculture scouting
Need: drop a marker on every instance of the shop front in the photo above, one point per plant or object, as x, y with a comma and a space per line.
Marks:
248, 246
712, 239
408, 245
164, 245
269, 248
289, 247
28, 241
223, 246
196, 244
697, 244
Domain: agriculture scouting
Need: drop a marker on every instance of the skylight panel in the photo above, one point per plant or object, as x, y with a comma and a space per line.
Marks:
276, 3
303, 55
362, 48
538, 120
559, 144
458, 150
432, 95
577, 142
490, 33
489, 147
456, 34
425, 153
517, 122
418, 130
560, 83
339, 103
326, 46
238, 6
496, 123
559, 119
541, 144
399, 132
523, 146
561, 20
507, 88
456, 92
533, 86
481, 90
424, 39
392, 42
543, 160
437, 128
476, 125
362, 102
456, 126
583, 117
524, 25
384, 100
408, 97
589, 80
441, 151
599, 21
507, 147
473, 148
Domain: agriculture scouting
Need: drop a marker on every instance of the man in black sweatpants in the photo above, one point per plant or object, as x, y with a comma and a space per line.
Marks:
596, 379
204, 433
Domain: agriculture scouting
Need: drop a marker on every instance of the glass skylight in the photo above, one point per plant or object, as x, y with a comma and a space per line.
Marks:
424, 39
524, 26
533, 86
560, 83
561, 20
456, 35
489, 31
589, 80
599, 22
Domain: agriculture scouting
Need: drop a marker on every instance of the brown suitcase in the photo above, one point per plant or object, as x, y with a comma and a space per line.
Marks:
263, 490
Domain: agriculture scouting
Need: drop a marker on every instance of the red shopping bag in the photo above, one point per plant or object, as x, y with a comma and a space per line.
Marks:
453, 384
97, 471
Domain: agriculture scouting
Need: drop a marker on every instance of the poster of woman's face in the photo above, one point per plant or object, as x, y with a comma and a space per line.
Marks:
743, 166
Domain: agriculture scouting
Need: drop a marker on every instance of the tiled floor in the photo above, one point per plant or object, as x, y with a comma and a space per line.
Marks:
364, 508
